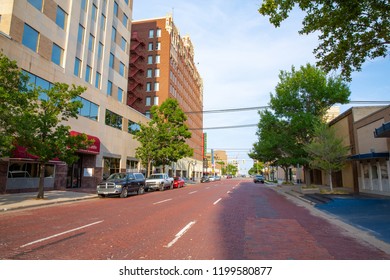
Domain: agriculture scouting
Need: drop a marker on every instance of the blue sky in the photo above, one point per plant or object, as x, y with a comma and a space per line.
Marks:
240, 54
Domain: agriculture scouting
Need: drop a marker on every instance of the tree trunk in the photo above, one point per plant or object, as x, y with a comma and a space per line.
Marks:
330, 181
41, 181
149, 168
307, 176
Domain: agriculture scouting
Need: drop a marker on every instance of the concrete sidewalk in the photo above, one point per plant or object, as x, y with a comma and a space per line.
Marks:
16, 201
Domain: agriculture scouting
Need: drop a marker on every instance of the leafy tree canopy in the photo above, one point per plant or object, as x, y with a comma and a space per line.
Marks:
167, 135
350, 32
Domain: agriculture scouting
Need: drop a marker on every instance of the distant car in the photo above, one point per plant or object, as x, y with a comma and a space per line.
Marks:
211, 178
228, 176
178, 182
258, 179
205, 179
122, 184
217, 178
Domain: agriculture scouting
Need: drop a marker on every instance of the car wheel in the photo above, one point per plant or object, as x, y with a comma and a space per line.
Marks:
124, 192
141, 190
101, 195
162, 188
171, 187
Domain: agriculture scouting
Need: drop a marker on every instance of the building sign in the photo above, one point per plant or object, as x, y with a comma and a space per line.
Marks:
94, 148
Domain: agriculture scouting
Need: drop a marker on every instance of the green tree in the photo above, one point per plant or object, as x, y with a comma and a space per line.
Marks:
14, 99
231, 169
146, 152
302, 98
42, 131
167, 135
257, 168
275, 144
350, 32
326, 151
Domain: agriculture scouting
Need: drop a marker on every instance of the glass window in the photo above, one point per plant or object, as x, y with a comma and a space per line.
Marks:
36, 3
149, 73
30, 37
94, 12
151, 33
86, 108
127, 2
88, 74
148, 86
147, 101
157, 72
110, 166
123, 44
116, 9
156, 100
77, 67
120, 94
61, 17
57, 54
150, 59
84, 5
109, 88
157, 58
112, 59
98, 80
158, 32
100, 50
44, 85
103, 23
150, 46
113, 120
133, 127
91, 42
113, 34
122, 69
125, 20
94, 112
147, 114
80, 35
158, 46
156, 86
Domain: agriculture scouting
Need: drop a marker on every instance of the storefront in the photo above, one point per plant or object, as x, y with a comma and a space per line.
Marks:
82, 173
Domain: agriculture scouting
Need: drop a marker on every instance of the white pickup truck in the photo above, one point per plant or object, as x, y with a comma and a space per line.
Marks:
158, 181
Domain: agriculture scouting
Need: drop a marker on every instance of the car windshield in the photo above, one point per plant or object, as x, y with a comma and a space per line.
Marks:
117, 176
156, 176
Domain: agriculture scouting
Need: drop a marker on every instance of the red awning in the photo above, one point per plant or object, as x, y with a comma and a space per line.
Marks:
94, 148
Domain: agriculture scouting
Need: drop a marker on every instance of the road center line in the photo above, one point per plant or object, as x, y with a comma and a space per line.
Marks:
162, 201
193, 192
180, 234
217, 201
58, 234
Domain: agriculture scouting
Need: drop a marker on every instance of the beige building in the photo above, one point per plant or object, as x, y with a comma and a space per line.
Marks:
86, 43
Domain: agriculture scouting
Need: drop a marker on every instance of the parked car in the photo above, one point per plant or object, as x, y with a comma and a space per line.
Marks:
211, 178
204, 179
158, 181
258, 179
122, 184
217, 178
228, 176
178, 182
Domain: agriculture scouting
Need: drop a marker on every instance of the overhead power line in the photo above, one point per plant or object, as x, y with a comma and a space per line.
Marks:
265, 107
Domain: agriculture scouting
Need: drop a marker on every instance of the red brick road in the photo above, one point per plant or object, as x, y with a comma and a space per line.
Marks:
225, 221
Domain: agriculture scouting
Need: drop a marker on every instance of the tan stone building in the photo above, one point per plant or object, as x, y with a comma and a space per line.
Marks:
85, 43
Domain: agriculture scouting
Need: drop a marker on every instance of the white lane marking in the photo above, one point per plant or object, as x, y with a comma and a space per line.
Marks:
58, 234
193, 192
217, 201
180, 234
162, 201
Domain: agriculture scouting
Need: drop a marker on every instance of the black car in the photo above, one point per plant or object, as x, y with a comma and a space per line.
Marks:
258, 179
205, 179
122, 184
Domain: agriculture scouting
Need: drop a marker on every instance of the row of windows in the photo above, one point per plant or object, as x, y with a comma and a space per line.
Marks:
155, 88
116, 121
61, 15
149, 73
89, 109
152, 32
149, 99
157, 59
151, 46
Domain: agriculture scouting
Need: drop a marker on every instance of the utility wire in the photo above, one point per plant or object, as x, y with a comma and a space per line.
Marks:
265, 107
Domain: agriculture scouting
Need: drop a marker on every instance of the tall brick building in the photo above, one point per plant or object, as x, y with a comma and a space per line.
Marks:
162, 66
